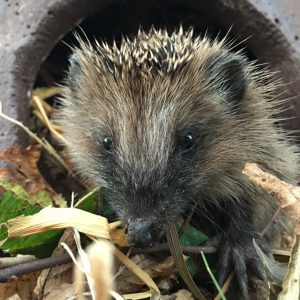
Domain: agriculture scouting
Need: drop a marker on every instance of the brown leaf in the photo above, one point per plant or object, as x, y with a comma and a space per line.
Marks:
127, 282
63, 291
25, 160
55, 277
24, 171
179, 295
22, 286
286, 195
291, 282
13, 176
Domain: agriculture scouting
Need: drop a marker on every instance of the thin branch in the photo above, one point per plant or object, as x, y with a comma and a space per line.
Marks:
186, 221
6, 262
165, 247
43, 142
12, 272
271, 222
226, 285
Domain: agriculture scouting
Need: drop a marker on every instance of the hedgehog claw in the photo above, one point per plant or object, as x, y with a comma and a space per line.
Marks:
239, 253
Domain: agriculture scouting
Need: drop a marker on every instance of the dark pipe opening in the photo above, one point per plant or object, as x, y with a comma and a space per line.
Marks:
125, 18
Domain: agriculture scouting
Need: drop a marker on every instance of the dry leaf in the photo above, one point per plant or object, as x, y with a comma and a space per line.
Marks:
14, 297
25, 172
47, 146
141, 274
15, 177
42, 111
23, 287
58, 218
175, 249
54, 277
167, 284
127, 282
25, 160
61, 292
291, 282
136, 296
46, 92
286, 195
152, 267
179, 295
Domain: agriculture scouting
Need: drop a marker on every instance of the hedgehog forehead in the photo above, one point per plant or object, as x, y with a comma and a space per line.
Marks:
152, 52
147, 140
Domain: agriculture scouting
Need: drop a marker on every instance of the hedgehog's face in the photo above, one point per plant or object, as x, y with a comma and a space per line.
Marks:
151, 168
154, 145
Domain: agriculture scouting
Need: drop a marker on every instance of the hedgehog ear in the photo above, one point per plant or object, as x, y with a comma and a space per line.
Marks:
75, 74
228, 71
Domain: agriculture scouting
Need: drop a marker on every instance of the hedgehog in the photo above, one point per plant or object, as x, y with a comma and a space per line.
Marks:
162, 121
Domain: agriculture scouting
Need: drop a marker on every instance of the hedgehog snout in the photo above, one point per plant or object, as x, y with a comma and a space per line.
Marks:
142, 232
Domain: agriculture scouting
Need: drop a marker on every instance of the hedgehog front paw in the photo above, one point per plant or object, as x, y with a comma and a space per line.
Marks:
236, 251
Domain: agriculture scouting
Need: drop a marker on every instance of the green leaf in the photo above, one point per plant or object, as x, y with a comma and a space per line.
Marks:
42, 198
18, 190
193, 270
12, 206
40, 245
16, 202
89, 202
192, 237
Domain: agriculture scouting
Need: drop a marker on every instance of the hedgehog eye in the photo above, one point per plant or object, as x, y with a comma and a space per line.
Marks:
107, 143
186, 142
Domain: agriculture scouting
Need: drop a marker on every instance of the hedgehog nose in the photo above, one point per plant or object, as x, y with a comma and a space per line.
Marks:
141, 233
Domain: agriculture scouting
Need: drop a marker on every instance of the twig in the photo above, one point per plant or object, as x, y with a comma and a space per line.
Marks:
6, 262
33, 266
43, 142
286, 195
165, 247
186, 221
225, 286
271, 221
